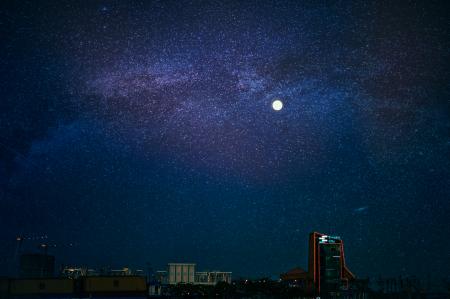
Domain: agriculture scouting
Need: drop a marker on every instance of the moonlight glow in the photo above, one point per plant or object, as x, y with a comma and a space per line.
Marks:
277, 105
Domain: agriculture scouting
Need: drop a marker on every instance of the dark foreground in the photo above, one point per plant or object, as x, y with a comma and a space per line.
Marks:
136, 287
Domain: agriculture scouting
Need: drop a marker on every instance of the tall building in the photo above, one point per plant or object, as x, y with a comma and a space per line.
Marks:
326, 263
327, 271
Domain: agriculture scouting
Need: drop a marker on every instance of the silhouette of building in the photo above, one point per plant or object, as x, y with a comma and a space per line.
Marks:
327, 271
326, 263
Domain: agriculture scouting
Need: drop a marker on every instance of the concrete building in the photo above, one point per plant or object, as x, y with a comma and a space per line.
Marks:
181, 273
185, 273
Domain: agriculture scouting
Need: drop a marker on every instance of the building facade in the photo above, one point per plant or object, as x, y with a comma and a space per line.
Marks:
212, 277
327, 272
326, 263
185, 273
181, 273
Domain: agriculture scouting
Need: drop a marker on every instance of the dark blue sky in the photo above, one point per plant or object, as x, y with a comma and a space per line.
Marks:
143, 132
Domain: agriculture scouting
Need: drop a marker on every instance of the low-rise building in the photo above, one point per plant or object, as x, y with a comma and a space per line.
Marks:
181, 273
185, 273
212, 278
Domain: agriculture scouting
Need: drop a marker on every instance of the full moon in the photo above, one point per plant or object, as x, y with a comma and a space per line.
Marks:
277, 105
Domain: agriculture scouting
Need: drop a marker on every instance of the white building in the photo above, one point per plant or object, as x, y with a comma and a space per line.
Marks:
181, 273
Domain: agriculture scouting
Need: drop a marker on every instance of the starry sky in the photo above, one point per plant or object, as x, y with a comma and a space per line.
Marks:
136, 132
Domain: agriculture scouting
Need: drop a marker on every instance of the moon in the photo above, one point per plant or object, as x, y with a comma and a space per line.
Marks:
277, 105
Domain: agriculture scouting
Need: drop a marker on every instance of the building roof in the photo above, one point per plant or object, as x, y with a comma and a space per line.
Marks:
295, 274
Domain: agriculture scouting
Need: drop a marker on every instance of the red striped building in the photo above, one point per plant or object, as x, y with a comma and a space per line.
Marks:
327, 271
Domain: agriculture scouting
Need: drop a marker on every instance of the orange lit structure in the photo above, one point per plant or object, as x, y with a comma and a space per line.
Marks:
326, 263
327, 271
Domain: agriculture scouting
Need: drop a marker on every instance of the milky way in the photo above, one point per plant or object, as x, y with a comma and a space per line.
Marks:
144, 132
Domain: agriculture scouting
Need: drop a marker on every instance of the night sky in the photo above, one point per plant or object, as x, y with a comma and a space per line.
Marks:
138, 131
